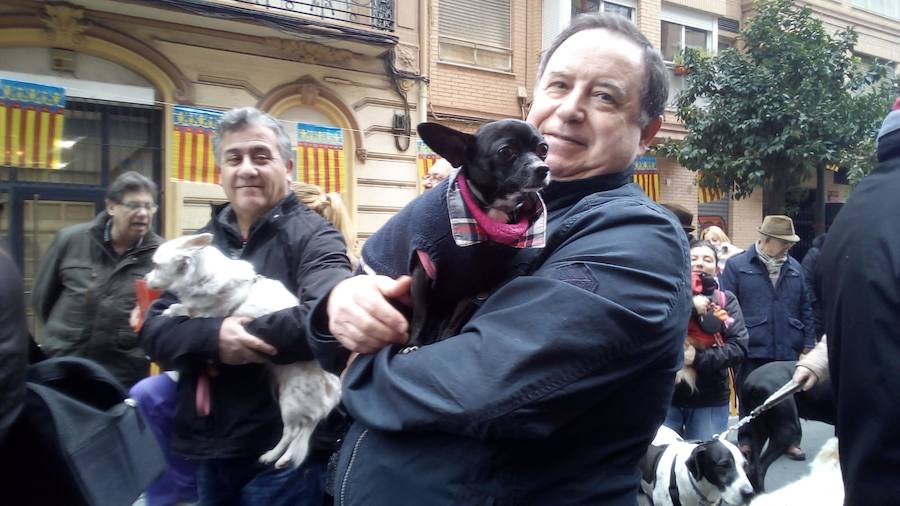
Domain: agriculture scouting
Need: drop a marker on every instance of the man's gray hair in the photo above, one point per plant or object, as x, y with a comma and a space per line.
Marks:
130, 182
243, 117
656, 82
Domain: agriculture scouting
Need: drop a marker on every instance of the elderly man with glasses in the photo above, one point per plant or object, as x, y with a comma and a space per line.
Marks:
84, 288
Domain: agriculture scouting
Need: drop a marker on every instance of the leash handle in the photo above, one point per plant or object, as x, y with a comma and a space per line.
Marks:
786, 390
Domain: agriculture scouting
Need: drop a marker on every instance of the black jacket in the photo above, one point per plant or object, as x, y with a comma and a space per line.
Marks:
291, 244
554, 388
861, 304
712, 364
84, 292
813, 284
13, 342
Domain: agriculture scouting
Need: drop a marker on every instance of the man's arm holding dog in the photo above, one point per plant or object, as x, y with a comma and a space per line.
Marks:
180, 341
734, 350
596, 313
321, 263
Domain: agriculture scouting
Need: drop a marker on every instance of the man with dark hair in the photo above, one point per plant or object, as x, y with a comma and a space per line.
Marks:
860, 267
84, 289
554, 388
223, 359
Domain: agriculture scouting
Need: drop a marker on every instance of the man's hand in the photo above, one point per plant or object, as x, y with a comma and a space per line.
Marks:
134, 319
237, 347
805, 377
360, 316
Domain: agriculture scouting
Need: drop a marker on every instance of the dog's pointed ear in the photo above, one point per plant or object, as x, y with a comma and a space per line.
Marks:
199, 241
452, 145
693, 462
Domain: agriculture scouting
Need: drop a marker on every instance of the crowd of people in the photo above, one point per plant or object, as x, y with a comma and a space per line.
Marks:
552, 390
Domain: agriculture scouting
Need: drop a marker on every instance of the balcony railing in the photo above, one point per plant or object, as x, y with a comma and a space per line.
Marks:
378, 14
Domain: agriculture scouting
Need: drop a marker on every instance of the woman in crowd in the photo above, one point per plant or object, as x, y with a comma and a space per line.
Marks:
722, 244
717, 342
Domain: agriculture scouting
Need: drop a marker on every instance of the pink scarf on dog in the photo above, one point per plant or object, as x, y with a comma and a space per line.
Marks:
503, 233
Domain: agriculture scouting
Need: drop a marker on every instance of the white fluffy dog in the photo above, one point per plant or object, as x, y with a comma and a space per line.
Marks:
211, 285
823, 486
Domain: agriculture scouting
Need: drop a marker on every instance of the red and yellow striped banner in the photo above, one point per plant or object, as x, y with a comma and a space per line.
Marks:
649, 181
646, 175
425, 158
193, 158
707, 194
31, 124
320, 157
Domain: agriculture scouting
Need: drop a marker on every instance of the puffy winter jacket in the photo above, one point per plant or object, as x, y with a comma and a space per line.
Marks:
779, 319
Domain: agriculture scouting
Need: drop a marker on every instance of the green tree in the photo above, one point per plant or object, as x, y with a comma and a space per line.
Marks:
795, 100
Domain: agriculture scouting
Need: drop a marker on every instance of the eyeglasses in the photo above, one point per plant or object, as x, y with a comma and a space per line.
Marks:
134, 206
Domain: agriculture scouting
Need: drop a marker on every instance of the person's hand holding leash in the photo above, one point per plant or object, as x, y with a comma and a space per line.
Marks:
805, 377
238, 347
813, 366
360, 316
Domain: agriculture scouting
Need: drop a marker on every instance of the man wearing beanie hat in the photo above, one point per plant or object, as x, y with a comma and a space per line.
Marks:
770, 287
862, 320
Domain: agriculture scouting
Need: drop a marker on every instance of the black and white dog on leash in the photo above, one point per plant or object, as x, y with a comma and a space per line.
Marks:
681, 473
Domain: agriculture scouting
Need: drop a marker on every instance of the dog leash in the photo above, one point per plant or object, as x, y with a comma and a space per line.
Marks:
789, 389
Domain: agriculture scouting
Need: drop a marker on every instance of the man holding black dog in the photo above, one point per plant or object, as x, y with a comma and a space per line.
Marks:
552, 391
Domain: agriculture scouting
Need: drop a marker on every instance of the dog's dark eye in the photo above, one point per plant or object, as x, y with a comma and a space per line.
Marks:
725, 464
506, 153
542, 150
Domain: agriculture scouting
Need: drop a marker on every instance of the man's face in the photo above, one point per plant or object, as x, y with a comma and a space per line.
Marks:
132, 216
588, 106
433, 178
254, 176
775, 248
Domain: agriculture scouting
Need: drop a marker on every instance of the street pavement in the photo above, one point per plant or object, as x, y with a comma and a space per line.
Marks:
785, 470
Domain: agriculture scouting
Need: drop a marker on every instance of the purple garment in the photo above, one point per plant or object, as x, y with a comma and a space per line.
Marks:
155, 397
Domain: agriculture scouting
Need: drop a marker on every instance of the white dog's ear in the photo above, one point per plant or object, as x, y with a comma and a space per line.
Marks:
199, 241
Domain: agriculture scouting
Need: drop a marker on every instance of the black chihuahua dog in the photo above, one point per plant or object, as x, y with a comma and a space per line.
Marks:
501, 170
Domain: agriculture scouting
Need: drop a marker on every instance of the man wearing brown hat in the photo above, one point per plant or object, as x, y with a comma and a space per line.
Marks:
770, 288
685, 217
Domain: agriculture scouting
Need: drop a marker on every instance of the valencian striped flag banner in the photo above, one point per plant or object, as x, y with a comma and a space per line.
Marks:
320, 156
193, 158
31, 124
647, 176
707, 194
425, 158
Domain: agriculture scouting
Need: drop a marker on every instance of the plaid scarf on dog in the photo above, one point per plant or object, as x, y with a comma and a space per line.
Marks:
470, 225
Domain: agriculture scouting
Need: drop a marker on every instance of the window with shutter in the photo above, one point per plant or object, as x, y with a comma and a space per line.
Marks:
476, 33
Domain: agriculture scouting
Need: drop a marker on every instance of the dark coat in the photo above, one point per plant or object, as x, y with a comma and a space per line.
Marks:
861, 304
554, 388
712, 364
13, 343
84, 292
813, 284
779, 319
291, 244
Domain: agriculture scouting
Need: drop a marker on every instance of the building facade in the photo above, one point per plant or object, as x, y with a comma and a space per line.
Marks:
93, 88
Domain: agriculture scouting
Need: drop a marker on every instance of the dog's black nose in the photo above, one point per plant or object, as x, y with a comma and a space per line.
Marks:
541, 171
747, 492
